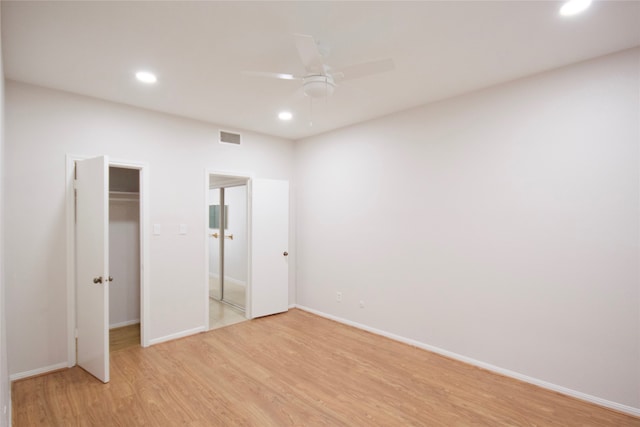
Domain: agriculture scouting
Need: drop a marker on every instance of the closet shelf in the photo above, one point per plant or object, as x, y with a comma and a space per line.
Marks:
124, 196
121, 193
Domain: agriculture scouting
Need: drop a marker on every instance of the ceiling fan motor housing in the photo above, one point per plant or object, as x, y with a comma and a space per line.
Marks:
318, 86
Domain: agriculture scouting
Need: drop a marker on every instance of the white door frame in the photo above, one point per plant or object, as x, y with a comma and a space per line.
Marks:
71, 249
248, 177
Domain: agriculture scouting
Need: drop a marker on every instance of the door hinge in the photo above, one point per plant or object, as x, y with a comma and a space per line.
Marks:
75, 201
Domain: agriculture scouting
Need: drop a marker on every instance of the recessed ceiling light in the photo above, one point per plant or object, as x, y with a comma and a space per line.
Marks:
285, 115
573, 7
146, 77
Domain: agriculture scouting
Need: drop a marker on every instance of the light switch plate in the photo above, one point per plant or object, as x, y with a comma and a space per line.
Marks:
183, 228
157, 228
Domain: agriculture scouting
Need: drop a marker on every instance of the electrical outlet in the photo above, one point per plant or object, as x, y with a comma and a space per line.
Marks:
339, 296
361, 304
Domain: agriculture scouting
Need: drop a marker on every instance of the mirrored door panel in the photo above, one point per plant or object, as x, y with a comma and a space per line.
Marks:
235, 251
215, 284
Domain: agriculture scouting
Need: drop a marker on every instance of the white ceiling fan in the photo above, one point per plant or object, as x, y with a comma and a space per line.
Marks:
319, 79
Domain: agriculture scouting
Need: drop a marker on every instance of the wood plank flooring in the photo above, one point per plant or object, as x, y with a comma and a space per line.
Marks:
124, 337
293, 369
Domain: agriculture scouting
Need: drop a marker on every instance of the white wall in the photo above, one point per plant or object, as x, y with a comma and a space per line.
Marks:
502, 225
5, 388
42, 127
124, 261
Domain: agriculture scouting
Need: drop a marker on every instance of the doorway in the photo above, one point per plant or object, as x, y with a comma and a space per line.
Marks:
227, 240
124, 258
265, 213
90, 229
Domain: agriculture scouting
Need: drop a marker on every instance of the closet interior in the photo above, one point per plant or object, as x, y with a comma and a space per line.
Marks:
124, 257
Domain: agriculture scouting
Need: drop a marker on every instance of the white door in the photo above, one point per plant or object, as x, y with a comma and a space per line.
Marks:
269, 241
92, 265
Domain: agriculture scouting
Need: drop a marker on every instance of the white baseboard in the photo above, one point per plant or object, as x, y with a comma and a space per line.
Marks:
540, 383
230, 280
125, 323
177, 335
292, 306
39, 371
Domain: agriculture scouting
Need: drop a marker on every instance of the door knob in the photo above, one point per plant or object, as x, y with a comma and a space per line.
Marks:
110, 279
97, 279
285, 253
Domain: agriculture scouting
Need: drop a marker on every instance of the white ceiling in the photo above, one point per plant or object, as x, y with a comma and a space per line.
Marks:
198, 50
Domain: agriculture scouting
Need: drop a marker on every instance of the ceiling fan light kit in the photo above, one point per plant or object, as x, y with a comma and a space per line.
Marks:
318, 86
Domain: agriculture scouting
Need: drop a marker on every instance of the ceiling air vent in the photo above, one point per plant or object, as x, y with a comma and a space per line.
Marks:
229, 137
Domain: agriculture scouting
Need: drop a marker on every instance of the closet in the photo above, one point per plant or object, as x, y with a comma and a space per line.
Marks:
228, 249
124, 257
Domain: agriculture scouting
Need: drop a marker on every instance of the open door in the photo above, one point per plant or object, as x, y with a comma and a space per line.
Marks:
269, 242
92, 266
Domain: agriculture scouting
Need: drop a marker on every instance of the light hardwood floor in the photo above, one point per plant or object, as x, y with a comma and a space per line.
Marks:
124, 337
293, 369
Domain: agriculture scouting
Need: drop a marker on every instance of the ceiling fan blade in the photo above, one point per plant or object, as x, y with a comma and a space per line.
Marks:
281, 76
365, 69
309, 54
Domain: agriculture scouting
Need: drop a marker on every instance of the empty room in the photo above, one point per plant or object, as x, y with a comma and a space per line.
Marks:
367, 213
